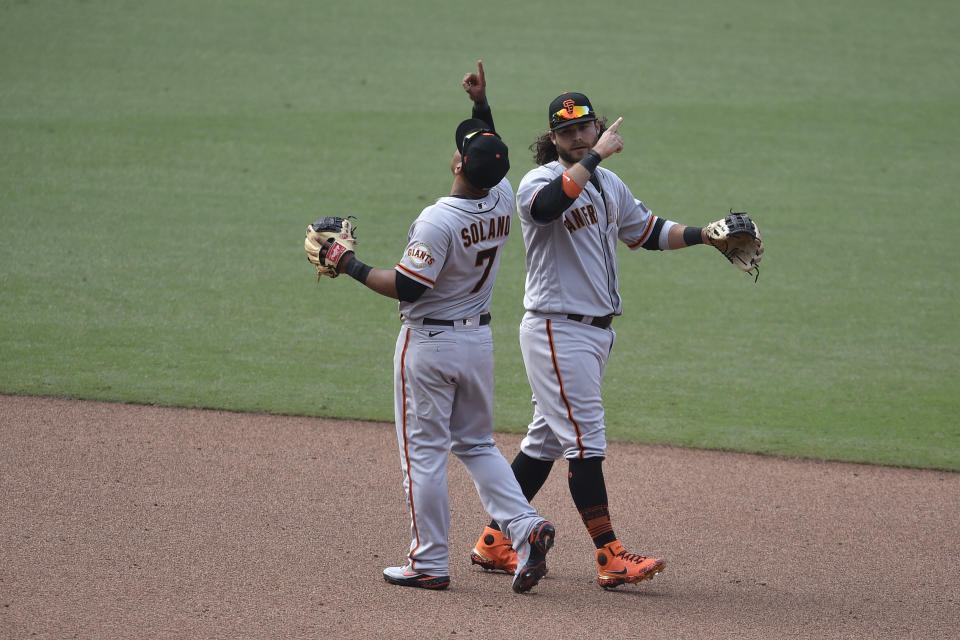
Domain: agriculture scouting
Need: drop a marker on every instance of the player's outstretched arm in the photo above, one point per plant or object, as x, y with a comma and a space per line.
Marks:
387, 282
681, 236
383, 281
475, 84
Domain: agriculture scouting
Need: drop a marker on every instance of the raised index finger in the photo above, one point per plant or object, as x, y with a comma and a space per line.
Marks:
615, 125
483, 80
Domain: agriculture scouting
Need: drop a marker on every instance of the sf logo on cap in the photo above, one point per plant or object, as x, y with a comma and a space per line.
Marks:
569, 104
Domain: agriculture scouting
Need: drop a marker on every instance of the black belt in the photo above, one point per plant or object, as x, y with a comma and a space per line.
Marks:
484, 319
599, 321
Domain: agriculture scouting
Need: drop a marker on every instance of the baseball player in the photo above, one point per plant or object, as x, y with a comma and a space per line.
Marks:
443, 363
572, 213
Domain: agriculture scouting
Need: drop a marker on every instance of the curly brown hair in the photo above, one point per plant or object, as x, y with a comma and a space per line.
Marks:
544, 150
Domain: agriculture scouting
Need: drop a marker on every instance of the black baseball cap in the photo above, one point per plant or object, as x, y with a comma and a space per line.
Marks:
569, 108
483, 154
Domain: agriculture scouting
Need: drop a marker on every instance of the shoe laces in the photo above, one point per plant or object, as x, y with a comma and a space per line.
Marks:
631, 557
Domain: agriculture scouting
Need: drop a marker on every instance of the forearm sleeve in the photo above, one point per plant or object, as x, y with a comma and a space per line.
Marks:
550, 202
481, 111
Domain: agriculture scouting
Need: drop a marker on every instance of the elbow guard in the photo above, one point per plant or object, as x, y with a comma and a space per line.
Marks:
659, 239
653, 240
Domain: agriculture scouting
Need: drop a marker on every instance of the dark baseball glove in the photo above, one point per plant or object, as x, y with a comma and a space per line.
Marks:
327, 241
738, 239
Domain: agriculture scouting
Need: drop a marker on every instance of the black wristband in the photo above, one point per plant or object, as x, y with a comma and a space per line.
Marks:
357, 270
692, 236
591, 160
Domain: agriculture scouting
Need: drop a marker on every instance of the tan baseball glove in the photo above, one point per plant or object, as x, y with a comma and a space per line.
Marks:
738, 239
327, 241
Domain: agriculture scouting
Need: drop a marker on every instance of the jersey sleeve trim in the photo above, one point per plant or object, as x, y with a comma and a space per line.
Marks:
416, 276
645, 234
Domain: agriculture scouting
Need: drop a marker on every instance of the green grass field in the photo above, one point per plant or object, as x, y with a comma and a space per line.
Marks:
159, 162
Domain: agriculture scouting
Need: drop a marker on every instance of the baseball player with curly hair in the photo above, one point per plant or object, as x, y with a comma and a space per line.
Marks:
443, 363
572, 213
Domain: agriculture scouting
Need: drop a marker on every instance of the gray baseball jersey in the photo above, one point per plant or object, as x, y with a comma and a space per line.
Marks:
463, 239
572, 261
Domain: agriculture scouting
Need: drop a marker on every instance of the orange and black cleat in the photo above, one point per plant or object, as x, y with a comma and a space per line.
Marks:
615, 566
531, 557
494, 552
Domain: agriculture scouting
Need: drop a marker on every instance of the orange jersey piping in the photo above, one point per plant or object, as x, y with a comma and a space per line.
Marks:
645, 234
414, 274
556, 369
406, 447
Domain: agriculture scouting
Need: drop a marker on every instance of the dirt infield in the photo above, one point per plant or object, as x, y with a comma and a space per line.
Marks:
125, 521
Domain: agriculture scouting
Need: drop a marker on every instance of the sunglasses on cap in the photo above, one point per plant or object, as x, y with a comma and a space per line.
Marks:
569, 113
487, 132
